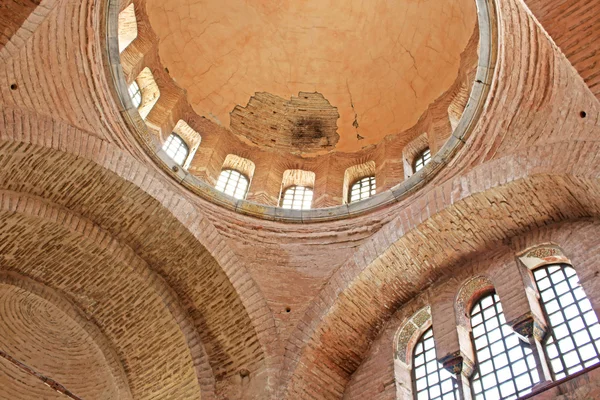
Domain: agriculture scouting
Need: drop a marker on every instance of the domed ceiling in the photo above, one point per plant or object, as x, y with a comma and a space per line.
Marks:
377, 64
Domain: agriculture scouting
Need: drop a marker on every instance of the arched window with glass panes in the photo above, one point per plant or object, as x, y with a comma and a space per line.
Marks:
362, 189
422, 160
574, 340
431, 380
297, 198
233, 183
176, 148
136, 94
506, 366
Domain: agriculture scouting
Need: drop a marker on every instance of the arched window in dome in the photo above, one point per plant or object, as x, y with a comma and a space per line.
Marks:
297, 189
362, 189
127, 27
176, 148
233, 183
190, 137
297, 198
352, 176
431, 380
422, 160
144, 93
136, 94
574, 340
506, 366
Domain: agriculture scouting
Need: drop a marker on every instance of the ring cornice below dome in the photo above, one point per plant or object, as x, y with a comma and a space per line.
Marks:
487, 25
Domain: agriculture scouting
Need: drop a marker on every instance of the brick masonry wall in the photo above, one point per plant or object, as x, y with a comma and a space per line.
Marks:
376, 377
575, 27
191, 299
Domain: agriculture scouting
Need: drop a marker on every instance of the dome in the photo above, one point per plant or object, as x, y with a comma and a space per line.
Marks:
326, 92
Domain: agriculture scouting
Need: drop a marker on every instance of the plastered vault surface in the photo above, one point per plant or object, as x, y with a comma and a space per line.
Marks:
380, 63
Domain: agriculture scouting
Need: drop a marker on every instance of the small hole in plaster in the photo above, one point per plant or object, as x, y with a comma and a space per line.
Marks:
166, 70
287, 309
244, 373
13, 86
583, 114
175, 168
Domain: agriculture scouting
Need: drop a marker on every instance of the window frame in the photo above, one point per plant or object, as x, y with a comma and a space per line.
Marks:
182, 143
551, 334
295, 187
421, 339
372, 184
421, 160
241, 176
531, 371
138, 91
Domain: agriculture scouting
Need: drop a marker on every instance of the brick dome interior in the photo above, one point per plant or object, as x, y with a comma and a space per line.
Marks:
126, 273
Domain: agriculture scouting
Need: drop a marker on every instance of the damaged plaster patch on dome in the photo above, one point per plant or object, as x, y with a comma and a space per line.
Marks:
306, 123
380, 63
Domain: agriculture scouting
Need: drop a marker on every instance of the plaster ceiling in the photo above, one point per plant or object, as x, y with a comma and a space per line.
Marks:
380, 62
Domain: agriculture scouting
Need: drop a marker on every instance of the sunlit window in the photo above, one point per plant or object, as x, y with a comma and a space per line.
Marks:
233, 183
432, 380
506, 367
422, 160
574, 340
297, 198
362, 189
176, 148
135, 93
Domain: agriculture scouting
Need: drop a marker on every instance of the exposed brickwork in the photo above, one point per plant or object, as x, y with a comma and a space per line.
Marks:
574, 25
487, 214
12, 15
167, 295
305, 124
372, 379
279, 134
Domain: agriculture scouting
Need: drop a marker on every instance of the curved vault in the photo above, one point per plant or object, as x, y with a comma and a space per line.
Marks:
66, 147
152, 238
50, 336
413, 255
379, 63
113, 288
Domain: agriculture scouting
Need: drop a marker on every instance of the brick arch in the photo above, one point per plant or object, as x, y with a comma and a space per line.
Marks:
409, 332
36, 212
67, 307
518, 181
23, 18
144, 201
468, 294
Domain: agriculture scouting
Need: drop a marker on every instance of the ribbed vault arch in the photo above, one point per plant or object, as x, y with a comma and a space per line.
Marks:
162, 228
113, 288
33, 295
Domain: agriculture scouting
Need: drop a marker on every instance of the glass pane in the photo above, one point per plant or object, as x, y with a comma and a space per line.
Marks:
422, 160
297, 197
432, 381
136, 94
574, 327
503, 366
233, 183
176, 148
362, 189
